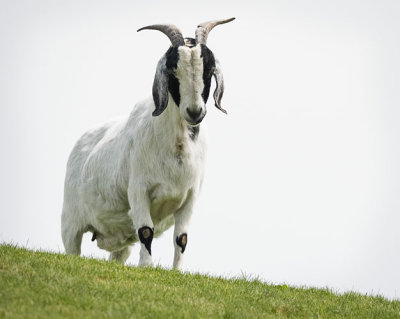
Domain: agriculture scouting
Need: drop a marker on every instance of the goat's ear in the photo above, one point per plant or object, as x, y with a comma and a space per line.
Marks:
160, 87
219, 89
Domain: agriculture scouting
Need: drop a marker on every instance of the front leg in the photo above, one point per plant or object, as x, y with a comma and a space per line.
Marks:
182, 218
140, 214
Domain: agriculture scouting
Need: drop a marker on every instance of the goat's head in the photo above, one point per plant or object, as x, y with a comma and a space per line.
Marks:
185, 73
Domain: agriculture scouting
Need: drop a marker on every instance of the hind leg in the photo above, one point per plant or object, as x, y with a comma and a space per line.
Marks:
71, 235
72, 241
120, 255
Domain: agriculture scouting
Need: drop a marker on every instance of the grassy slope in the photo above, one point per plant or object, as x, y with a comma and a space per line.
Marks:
39, 284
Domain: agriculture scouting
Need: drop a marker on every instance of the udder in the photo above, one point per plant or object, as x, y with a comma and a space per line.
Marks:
113, 242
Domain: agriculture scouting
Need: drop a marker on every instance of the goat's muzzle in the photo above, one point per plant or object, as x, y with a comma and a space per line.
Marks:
194, 118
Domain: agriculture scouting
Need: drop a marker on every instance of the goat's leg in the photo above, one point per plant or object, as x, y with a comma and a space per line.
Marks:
72, 240
120, 255
182, 218
140, 214
71, 233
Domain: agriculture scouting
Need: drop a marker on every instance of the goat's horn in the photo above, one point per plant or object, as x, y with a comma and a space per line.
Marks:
204, 28
171, 31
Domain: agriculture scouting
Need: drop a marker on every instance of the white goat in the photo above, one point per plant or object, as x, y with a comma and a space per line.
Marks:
130, 180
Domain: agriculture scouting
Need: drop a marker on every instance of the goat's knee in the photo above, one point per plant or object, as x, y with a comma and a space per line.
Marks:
181, 241
180, 246
145, 234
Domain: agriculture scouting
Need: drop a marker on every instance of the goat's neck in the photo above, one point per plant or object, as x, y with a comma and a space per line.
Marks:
171, 128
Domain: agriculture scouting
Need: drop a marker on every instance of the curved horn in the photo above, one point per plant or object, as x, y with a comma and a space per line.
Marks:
171, 31
204, 28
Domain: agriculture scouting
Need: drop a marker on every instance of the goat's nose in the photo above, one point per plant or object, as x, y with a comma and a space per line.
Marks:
194, 114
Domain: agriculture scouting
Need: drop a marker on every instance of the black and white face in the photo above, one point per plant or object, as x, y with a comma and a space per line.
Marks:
189, 70
185, 72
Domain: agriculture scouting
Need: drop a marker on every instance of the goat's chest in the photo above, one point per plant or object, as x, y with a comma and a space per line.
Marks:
165, 201
181, 172
181, 164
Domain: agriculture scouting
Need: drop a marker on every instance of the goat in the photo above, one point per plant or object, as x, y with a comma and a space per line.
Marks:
132, 179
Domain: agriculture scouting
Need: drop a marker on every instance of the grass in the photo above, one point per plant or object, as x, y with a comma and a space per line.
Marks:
48, 285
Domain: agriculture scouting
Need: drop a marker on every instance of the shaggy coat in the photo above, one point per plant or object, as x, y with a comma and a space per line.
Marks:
135, 177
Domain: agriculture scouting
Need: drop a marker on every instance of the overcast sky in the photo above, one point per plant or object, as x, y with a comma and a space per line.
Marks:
303, 181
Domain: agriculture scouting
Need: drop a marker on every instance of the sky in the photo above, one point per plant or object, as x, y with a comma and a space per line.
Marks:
302, 181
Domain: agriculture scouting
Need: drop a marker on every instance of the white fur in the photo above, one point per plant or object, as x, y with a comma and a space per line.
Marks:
190, 75
137, 171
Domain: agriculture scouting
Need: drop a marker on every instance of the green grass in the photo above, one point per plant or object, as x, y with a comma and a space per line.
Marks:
48, 285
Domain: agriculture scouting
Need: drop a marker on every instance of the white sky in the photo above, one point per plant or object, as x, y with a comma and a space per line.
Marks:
303, 180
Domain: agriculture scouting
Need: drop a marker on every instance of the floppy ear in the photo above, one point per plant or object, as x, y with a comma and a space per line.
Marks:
219, 90
160, 87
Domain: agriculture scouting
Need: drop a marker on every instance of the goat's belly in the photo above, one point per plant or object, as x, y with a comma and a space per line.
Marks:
114, 230
113, 234
114, 242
